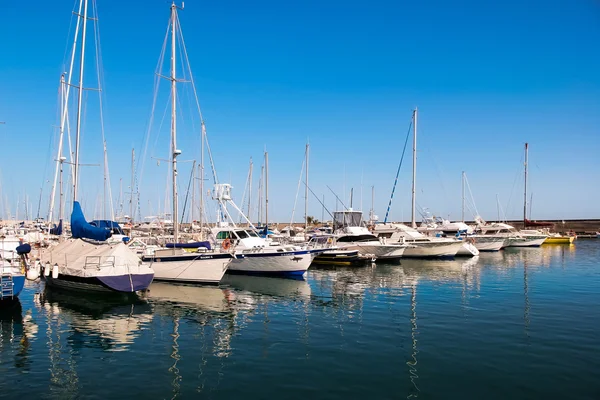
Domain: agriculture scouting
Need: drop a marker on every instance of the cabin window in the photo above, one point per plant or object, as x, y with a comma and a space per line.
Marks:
223, 235
242, 234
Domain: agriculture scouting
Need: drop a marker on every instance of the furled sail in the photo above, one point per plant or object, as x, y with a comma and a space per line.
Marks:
81, 229
57, 230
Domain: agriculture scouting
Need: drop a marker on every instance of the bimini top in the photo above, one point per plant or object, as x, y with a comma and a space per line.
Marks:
81, 229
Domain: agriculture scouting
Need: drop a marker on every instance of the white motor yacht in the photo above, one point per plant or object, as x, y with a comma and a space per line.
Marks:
351, 234
256, 255
424, 246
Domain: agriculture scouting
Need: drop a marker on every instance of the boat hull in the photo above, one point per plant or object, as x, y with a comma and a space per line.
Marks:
192, 268
101, 284
530, 241
433, 250
559, 240
489, 243
338, 257
467, 250
376, 249
289, 263
18, 282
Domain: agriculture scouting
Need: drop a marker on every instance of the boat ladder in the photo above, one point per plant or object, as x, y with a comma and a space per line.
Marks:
6, 283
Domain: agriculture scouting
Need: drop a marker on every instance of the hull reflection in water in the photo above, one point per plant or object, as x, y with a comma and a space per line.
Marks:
270, 286
117, 321
201, 298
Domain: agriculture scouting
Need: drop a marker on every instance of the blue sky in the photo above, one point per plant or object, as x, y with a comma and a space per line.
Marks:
487, 77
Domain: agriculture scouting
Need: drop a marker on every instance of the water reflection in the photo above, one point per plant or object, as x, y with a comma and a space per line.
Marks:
17, 332
110, 323
256, 332
269, 286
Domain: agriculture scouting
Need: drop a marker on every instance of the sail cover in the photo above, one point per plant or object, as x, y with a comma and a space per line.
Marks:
81, 229
57, 230
108, 225
193, 245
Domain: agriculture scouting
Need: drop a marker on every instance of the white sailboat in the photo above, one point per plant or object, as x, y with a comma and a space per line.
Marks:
87, 261
533, 238
173, 262
422, 246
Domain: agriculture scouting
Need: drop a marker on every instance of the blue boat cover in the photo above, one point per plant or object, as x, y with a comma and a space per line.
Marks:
57, 230
81, 229
112, 226
264, 231
193, 245
23, 249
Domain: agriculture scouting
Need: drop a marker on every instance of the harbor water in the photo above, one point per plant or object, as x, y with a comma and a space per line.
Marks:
519, 324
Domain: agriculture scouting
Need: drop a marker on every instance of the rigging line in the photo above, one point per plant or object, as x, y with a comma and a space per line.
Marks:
141, 162
472, 199
73, 15
337, 197
187, 193
101, 95
387, 212
244, 195
517, 174
298, 189
318, 199
204, 134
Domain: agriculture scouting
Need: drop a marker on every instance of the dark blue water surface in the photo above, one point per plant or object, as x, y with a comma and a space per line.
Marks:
518, 324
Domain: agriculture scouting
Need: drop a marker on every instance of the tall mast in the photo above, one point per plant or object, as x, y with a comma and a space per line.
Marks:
132, 185
250, 187
266, 189
120, 212
306, 191
201, 219
174, 151
104, 215
462, 212
193, 196
260, 194
372, 213
61, 160
414, 177
525, 191
79, 103
60, 144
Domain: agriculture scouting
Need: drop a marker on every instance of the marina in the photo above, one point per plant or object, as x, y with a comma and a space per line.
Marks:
151, 247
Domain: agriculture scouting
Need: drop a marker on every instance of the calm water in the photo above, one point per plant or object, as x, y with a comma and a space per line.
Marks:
518, 324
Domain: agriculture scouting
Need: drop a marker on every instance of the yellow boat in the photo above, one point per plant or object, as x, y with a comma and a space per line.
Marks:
559, 239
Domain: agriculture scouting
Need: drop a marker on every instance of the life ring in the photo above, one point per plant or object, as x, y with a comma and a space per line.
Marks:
330, 240
226, 244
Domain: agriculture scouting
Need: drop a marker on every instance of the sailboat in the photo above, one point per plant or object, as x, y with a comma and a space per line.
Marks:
172, 262
422, 246
87, 261
532, 237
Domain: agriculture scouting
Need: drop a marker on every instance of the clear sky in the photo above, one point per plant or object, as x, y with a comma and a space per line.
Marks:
487, 77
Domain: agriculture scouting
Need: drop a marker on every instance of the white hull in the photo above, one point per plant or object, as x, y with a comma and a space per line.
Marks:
283, 263
199, 270
380, 251
433, 249
533, 241
468, 250
489, 243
